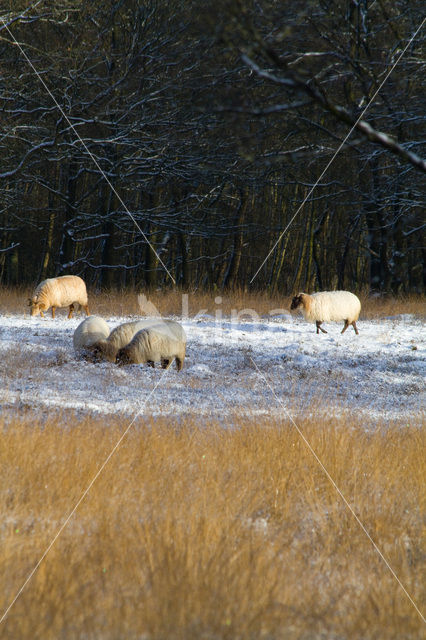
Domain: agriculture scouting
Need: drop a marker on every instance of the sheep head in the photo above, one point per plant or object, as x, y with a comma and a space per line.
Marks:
36, 306
94, 352
297, 301
122, 357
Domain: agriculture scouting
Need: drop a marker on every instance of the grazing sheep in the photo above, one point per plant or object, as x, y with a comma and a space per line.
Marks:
119, 337
87, 333
329, 306
162, 342
59, 292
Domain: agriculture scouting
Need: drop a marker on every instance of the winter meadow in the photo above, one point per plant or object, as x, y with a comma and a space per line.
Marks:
214, 518
212, 320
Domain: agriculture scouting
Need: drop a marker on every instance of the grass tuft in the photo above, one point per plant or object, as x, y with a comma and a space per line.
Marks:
171, 302
196, 531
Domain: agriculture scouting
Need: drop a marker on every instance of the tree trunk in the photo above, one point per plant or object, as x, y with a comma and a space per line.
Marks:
66, 252
230, 279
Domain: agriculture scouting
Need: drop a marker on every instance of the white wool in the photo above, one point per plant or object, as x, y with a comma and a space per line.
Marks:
163, 341
59, 292
123, 334
88, 332
333, 306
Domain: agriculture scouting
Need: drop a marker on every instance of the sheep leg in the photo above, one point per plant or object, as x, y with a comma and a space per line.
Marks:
355, 327
70, 311
318, 323
53, 312
151, 363
86, 308
179, 364
41, 313
346, 326
165, 364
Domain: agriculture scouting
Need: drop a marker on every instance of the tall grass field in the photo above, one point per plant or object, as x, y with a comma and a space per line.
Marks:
199, 528
199, 531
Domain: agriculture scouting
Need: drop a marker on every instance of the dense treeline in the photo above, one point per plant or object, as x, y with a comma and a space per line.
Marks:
202, 128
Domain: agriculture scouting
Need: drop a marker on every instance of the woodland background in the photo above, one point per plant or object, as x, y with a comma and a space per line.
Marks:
212, 120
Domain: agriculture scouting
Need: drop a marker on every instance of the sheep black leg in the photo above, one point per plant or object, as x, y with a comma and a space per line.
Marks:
70, 311
319, 327
346, 326
179, 364
165, 364
151, 363
355, 327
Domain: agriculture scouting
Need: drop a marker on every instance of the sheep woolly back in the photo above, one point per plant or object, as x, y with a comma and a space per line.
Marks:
60, 292
331, 306
90, 331
124, 333
161, 341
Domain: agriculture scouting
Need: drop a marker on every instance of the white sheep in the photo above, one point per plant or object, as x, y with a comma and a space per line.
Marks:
163, 342
64, 291
328, 306
88, 332
106, 349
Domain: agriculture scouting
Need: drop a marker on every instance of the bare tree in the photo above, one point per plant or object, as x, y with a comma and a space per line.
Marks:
203, 133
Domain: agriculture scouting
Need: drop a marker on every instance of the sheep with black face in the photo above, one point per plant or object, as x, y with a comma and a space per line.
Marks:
326, 306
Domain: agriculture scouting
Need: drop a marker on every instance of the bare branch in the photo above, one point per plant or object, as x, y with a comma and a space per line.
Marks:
12, 246
294, 81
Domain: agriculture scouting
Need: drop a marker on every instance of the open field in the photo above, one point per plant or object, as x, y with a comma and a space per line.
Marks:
195, 531
257, 357
213, 519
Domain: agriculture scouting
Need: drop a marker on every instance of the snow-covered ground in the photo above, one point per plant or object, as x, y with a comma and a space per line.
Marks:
231, 367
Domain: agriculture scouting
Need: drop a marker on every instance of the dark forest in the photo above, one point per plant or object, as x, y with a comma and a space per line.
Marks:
202, 127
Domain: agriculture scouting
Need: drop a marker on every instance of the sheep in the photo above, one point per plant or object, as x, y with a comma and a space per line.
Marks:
59, 292
87, 333
106, 349
329, 306
163, 342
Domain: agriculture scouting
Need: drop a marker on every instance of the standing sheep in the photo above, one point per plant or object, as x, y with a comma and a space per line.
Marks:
59, 292
88, 332
328, 306
119, 337
160, 343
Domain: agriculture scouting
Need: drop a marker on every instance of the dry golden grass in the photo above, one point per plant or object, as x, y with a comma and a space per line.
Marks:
196, 531
378, 307
170, 302
14, 299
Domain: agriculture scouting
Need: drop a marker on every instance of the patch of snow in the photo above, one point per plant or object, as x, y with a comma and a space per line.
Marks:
378, 374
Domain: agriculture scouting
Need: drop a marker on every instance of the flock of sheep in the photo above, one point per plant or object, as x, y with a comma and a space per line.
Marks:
154, 340
148, 341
